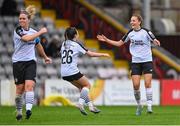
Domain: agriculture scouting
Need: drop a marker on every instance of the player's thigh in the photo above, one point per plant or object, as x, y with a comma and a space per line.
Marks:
18, 72
147, 67
76, 85
136, 69
30, 71
136, 72
83, 81
147, 70
136, 81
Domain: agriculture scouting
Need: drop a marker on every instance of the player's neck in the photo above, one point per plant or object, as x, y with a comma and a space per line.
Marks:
137, 28
74, 39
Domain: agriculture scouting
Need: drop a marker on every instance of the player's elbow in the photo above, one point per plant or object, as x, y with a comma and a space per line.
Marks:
89, 53
120, 43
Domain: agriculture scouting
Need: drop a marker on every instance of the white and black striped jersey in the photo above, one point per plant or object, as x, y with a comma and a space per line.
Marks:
70, 51
23, 51
140, 44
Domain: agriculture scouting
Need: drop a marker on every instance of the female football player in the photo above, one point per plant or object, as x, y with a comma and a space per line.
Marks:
24, 60
70, 51
140, 49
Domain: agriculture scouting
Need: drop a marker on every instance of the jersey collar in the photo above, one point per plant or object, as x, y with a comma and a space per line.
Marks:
136, 30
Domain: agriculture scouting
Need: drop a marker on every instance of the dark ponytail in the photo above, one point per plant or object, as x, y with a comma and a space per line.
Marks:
70, 33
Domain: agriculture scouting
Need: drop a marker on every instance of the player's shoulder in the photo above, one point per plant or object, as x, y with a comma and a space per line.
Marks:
69, 43
18, 31
145, 29
18, 28
80, 44
129, 31
73, 43
76, 43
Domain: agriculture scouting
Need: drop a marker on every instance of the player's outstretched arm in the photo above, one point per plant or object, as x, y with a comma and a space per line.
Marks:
109, 41
42, 53
96, 54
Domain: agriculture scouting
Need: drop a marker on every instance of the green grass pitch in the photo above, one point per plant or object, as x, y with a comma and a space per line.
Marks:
110, 115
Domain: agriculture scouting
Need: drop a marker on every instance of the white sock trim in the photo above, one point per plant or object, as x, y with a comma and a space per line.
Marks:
29, 100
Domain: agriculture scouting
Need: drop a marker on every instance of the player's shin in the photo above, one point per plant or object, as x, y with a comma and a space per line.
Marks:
137, 96
84, 98
149, 99
19, 103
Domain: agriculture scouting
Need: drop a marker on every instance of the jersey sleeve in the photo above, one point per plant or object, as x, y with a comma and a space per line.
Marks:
19, 32
125, 38
81, 48
151, 36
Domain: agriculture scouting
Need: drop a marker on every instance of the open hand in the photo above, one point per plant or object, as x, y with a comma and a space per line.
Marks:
48, 60
102, 38
43, 30
156, 42
106, 55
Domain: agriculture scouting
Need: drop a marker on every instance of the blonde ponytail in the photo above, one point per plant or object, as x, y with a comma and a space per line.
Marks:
31, 10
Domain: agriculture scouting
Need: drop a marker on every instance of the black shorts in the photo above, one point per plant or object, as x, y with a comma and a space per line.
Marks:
73, 77
24, 70
139, 68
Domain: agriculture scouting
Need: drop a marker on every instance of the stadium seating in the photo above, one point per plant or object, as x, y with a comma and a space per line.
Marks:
91, 67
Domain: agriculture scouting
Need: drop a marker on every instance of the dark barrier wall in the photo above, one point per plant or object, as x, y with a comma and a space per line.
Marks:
171, 43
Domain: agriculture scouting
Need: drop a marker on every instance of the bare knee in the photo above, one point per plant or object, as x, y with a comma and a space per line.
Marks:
19, 89
29, 85
147, 79
136, 87
83, 82
136, 81
147, 85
